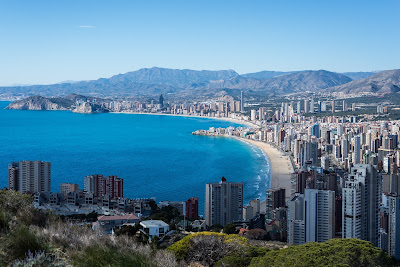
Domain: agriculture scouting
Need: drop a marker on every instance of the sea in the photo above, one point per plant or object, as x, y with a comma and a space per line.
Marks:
156, 155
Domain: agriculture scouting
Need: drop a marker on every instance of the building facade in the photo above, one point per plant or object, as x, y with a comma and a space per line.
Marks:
224, 202
29, 176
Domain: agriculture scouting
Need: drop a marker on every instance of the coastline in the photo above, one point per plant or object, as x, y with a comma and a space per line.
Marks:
280, 165
247, 123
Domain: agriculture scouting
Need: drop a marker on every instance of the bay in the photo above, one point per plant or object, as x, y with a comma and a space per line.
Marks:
156, 155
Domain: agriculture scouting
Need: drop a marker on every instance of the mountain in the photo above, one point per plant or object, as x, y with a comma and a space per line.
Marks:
144, 82
382, 82
290, 83
359, 75
261, 75
173, 77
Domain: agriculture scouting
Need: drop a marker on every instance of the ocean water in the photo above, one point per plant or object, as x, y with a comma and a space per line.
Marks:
156, 155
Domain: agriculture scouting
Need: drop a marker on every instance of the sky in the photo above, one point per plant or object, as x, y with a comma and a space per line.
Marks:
44, 42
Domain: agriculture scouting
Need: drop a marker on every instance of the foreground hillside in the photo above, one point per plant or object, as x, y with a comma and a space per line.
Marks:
29, 237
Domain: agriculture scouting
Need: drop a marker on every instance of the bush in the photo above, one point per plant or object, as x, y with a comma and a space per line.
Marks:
335, 252
98, 255
207, 247
40, 260
21, 242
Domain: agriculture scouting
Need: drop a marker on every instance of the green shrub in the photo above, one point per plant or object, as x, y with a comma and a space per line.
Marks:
335, 252
21, 242
98, 255
207, 247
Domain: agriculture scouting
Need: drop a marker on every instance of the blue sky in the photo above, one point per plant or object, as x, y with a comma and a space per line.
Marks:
51, 41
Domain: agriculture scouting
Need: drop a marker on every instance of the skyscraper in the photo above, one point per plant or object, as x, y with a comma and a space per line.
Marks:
224, 202
241, 102
29, 176
161, 100
360, 202
275, 199
100, 186
394, 226
311, 216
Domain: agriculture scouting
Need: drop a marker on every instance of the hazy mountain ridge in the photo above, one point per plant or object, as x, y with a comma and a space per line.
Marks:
288, 83
359, 75
192, 83
382, 82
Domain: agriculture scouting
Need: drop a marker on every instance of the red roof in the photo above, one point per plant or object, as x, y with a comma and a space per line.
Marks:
118, 217
223, 179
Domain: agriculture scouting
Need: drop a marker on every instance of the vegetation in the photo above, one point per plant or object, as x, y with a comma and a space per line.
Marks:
335, 252
30, 237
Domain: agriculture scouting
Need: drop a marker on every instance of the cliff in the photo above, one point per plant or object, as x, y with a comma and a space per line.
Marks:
41, 103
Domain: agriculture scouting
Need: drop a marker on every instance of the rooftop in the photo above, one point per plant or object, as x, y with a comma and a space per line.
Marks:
153, 223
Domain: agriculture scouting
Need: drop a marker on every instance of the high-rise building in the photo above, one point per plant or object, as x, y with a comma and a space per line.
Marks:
275, 199
315, 130
311, 216
306, 106
394, 226
224, 202
344, 105
312, 105
253, 114
241, 102
29, 176
357, 150
161, 100
192, 208
333, 106
99, 186
360, 202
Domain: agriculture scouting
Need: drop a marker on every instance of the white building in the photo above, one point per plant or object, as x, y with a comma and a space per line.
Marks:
153, 228
253, 115
29, 176
360, 203
311, 216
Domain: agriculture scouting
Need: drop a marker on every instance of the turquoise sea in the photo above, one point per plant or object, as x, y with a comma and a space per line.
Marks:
156, 155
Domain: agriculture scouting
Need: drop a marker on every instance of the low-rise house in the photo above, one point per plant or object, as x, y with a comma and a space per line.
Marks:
153, 228
108, 223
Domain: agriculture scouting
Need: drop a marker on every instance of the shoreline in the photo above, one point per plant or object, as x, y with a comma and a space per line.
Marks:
237, 121
281, 168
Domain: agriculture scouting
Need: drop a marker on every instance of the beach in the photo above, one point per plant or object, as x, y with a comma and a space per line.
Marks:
280, 166
247, 123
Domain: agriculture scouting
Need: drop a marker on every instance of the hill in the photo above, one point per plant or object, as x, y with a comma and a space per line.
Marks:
360, 74
382, 82
290, 83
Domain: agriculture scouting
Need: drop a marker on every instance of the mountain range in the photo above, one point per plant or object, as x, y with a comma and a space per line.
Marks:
191, 83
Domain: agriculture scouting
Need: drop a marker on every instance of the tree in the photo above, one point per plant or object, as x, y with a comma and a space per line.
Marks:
230, 228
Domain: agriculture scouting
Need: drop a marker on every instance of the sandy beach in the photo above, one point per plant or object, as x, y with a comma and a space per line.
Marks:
280, 166
247, 123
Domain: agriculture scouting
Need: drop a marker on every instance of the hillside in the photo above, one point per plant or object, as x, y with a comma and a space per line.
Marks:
290, 83
192, 83
31, 237
382, 82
